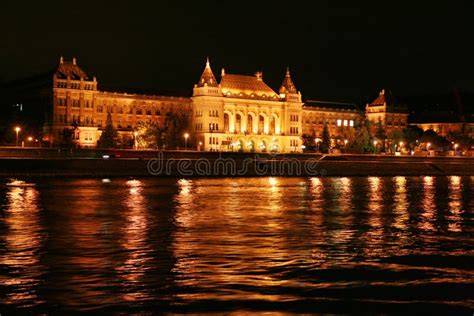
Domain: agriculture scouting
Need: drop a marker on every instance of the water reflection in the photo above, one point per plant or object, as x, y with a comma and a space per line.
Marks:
428, 204
400, 207
23, 239
242, 242
135, 243
455, 204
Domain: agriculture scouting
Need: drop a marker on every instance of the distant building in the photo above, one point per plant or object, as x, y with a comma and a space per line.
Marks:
384, 111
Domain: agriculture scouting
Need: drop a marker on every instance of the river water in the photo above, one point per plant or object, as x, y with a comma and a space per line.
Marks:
338, 245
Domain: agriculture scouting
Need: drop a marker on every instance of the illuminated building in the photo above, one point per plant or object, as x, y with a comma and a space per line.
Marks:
383, 111
237, 113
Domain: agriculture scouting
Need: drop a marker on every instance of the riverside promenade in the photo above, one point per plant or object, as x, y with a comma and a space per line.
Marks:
26, 162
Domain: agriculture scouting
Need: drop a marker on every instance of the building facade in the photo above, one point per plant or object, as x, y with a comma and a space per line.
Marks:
237, 113
78, 104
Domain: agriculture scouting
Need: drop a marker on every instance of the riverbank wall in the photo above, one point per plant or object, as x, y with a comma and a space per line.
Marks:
181, 164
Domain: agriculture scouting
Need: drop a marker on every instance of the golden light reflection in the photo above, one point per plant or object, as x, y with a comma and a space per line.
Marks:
185, 200
24, 238
346, 194
317, 190
400, 203
428, 204
223, 242
455, 204
136, 244
375, 203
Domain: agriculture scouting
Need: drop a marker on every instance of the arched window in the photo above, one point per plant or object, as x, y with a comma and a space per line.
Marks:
250, 123
226, 122
238, 122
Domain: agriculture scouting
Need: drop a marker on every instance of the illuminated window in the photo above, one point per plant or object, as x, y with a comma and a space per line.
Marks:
339, 122
345, 122
351, 123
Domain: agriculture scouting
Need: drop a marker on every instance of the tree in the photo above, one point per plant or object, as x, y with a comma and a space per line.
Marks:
430, 136
109, 137
363, 138
412, 134
148, 135
67, 138
326, 140
462, 139
380, 134
309, 142
178, 122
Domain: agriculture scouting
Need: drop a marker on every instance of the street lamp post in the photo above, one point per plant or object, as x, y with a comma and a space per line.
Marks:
186, 135
375, 146
455, 148
17, 130
345, 145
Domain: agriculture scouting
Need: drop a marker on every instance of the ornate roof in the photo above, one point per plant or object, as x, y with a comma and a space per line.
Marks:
380, 100
207, 77
287, 85
70, 69
241, 85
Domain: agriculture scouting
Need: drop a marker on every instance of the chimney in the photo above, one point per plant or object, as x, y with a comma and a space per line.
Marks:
61, 59
74, 60
222, 72
259, 75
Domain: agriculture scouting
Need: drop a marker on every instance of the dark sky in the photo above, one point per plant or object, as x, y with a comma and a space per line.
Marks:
338, 50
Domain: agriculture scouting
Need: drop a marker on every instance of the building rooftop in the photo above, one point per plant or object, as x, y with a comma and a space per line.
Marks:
330, 105
207, 77
70, 69
245, 85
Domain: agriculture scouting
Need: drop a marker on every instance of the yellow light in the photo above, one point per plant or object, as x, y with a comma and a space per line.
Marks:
186, 135
17, 129
30, 139
345, 141
401, 144
135, 134
375, 143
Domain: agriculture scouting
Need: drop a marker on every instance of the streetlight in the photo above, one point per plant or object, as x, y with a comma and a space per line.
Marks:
428, 146
345, 145
375, 146
186, 135
455, 147
317, 140
30, 139
17, 130
200, 144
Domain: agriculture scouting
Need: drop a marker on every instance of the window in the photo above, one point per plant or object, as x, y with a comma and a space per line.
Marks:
345, 123
148, 112
99, 109
339, 122
351, 123
139, 112
61, 102
158, 112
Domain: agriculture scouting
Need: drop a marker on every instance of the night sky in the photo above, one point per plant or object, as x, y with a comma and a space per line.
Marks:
337, 50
